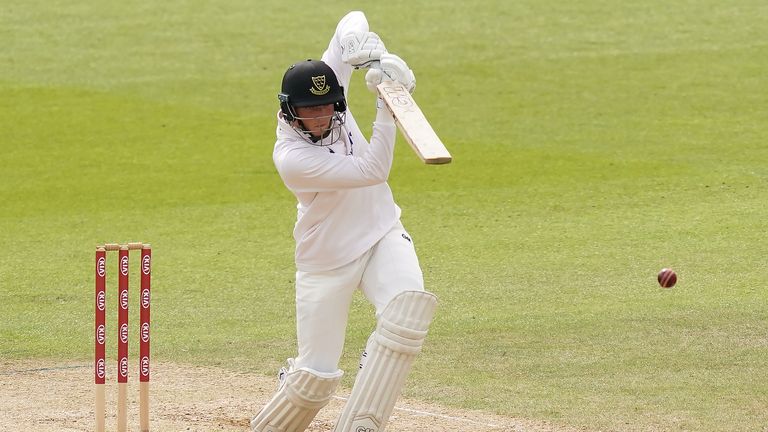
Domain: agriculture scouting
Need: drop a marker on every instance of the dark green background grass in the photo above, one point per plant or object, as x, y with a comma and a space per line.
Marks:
594, 143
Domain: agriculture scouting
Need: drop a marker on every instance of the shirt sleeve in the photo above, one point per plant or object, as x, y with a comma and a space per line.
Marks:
352, 22
314, 169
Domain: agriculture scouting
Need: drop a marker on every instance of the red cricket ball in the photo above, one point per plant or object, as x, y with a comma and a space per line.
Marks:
667, 278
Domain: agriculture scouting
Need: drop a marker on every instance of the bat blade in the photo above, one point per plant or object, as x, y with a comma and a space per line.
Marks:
413, 124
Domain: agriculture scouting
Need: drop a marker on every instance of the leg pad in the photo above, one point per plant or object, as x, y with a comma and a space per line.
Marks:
301, 396
398, 338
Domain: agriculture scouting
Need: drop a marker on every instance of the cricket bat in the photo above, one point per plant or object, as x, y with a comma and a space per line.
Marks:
413, 124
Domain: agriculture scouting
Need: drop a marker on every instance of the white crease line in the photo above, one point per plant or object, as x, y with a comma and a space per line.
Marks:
43, 369
413, 411
447, 417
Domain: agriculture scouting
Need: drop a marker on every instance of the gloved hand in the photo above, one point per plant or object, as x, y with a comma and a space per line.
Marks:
390, 68
360, 49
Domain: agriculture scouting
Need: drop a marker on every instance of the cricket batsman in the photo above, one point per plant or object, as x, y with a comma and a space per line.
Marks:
348, 236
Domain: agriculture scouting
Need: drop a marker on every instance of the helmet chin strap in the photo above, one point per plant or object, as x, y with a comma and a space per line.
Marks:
315, 139
332, 131
312, 136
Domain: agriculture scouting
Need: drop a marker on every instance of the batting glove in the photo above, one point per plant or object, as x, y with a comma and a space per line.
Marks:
390, 68
361, 49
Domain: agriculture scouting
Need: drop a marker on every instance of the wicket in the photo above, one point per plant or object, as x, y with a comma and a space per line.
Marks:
122, 334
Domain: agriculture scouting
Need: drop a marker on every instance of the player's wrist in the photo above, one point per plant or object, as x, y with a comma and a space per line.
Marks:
383, 114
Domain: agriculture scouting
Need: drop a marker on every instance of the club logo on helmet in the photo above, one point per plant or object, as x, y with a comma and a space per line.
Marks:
320, 87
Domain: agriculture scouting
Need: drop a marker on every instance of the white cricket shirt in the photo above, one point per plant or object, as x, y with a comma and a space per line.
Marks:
344, 205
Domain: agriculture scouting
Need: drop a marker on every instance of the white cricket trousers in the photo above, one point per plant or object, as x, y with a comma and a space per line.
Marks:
323, 298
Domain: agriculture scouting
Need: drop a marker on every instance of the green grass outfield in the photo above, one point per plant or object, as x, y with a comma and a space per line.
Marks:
594, 143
